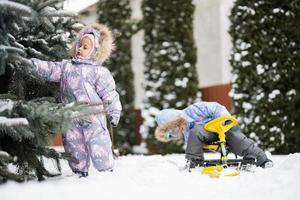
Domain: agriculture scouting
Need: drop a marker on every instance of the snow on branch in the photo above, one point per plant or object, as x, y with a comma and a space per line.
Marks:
42, 5
19, 9
56, 13
10, 49
4, 121
4, 156
6, 105
34, 52
20, 59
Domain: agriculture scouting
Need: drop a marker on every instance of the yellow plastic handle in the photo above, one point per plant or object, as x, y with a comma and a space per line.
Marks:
221, 124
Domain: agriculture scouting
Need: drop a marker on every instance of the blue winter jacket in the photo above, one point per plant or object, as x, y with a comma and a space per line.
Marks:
197, 113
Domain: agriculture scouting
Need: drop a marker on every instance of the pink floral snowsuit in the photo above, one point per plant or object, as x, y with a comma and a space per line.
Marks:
82, 80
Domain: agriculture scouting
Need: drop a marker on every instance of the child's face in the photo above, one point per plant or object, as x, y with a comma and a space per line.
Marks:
85, 47
175, 134
182, 128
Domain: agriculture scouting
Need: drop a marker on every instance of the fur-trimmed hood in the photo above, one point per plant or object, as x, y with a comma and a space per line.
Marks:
168, 121
169, 130
104, 39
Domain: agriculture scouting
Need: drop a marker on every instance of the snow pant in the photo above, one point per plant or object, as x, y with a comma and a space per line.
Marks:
237, 142
86, 141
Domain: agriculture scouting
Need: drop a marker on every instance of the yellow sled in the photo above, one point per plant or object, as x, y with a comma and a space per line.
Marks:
215, 168
218, 171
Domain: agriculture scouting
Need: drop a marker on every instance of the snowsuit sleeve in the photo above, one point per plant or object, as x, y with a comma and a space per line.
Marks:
50, 71
106, 89
217, 110
205, 111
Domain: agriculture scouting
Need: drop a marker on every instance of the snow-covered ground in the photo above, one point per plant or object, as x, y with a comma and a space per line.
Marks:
158, 177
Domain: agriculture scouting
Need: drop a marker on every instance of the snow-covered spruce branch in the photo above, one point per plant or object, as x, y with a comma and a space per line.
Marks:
7, 97
43, 5
22, 60
5, 157
14, 42
19, 9
18, 45
8, 175
48, 111
6, 104
34, 53
12, 50
18, 133
80, 110
56, 13
87, 112
77, 26
11, 38
51, 153
4, 121
72, 104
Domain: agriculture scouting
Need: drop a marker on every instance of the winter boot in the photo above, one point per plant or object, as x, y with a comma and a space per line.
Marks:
81, 174
248, 160
247, 164
193, 163
107, 170
267, 164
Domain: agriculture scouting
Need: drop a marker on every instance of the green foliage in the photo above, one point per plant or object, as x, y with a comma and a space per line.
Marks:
116, 14
171, 76
35, 34
265, 61
32, 125
25, 129
30, 29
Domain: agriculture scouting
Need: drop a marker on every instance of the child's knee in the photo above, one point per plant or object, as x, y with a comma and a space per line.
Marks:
235, 135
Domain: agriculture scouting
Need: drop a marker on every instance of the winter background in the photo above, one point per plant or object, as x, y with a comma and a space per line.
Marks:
157, 176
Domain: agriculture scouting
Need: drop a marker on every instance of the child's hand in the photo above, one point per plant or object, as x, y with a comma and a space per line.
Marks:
114, 120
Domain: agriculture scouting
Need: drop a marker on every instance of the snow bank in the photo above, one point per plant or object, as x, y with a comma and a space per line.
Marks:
159, 177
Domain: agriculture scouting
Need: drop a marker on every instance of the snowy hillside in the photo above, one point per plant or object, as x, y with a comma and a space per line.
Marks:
158, 177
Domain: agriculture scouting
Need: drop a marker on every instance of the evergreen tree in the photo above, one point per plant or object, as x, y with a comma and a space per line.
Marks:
265, 61
116, 14
26, 127
171, 76
30, 29
44, 34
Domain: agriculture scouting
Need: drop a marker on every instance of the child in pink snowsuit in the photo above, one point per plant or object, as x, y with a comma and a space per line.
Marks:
84, 79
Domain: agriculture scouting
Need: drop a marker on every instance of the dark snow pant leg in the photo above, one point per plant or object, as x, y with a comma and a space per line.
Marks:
243, 146
99, 145
207, 136
194, 147
197, 137
74, 144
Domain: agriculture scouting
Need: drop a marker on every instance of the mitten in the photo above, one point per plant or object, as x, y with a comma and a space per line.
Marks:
114, 120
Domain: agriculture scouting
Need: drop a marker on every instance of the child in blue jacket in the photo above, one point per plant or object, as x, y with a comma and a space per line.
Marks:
190, 123
84, 79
